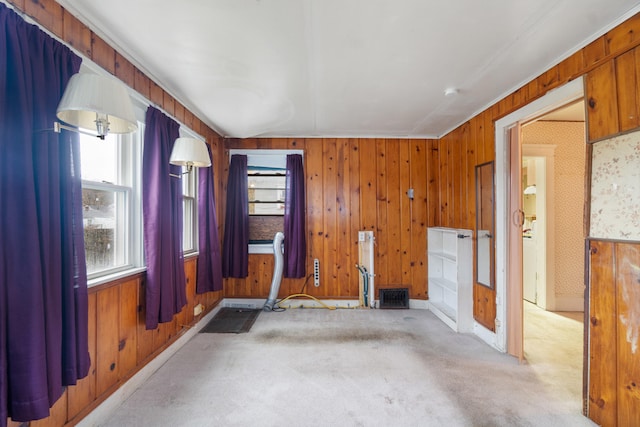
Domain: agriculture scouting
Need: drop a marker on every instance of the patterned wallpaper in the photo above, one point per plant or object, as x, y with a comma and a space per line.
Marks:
569, 178
615, 188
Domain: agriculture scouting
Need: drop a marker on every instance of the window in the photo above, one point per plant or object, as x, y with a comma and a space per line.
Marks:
266, 188
111, 202
189, 211
266, 182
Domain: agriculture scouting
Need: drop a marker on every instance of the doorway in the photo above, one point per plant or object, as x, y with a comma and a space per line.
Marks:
509, 335
509, 306
553, 245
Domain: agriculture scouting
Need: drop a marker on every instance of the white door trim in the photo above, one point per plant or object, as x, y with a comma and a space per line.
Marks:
546, 240
563, 95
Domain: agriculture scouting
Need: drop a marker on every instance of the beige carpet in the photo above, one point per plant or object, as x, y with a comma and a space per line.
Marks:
347, 368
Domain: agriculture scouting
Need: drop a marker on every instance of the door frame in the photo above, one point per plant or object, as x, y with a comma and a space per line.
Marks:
506, 291
546, 295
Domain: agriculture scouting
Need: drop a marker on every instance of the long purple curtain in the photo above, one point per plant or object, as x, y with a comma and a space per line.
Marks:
295, 243
235, 255
209, 260
165, 292
43, 282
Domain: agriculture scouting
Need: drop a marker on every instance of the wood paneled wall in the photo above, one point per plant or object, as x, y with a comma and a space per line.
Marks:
611, 66
360, 184
119, 343
356, 184
614, 386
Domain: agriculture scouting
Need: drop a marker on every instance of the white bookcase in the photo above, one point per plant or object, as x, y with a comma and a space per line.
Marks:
450, 268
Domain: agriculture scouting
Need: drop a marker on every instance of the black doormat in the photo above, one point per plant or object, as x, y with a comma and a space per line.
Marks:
230, 320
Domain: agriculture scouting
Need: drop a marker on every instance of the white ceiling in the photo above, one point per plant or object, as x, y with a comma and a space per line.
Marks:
359, 68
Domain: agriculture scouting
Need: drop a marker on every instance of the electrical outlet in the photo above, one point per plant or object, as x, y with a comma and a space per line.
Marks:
316, 272
361, 236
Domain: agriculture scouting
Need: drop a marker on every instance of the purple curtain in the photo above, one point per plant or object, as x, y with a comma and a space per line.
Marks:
235, 255
43, 282
295, 244
162, 213
209, 260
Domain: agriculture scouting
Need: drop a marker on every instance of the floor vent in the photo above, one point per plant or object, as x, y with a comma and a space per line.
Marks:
240, 305
394, 298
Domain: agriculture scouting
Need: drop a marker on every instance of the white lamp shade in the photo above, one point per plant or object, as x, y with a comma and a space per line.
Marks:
190, 151
88, 95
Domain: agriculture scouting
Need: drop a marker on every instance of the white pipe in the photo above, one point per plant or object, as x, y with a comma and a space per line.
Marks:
278, 263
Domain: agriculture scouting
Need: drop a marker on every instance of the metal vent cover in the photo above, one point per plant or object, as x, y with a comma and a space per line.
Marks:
394, 298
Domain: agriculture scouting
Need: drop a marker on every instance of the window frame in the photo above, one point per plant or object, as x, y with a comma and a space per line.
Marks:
190, 194
264, 158
128, 176
137, 262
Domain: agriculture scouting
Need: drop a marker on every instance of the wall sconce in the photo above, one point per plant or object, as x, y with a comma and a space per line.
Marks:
530, 190
95, 102
189, 152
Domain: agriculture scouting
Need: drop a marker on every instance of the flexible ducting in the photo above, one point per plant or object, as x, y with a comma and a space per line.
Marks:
278, 263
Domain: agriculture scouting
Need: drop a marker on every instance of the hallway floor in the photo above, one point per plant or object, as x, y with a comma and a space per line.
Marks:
317, 367
553, 347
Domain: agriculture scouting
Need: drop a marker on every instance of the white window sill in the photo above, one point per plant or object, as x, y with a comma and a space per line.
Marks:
261, 248
126, 273
114, 276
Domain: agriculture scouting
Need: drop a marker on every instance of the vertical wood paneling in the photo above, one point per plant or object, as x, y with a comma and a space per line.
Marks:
190, 272
103, 54
627, 268
75, 33
626, 90
354, 215
394, 214
345, 238
602, 109
145, 336
470, 179
602, 319
84, 392
46, 12
624, 35
125, 70
451, 174
405, 247
382, 239
127, 345
108, 317
168, 103
329, 260
443, 179
156, 94
315, 198
425, 201
352, 185
434, 196
570, 67
19, 4
368, 181
460, 189
141, 85
594, 52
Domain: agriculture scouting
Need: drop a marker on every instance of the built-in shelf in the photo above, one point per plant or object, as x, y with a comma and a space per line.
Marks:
450, 269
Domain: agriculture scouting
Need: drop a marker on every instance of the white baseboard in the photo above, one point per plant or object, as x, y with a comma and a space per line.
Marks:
487, 336
420, 304
111, 403
569, 303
